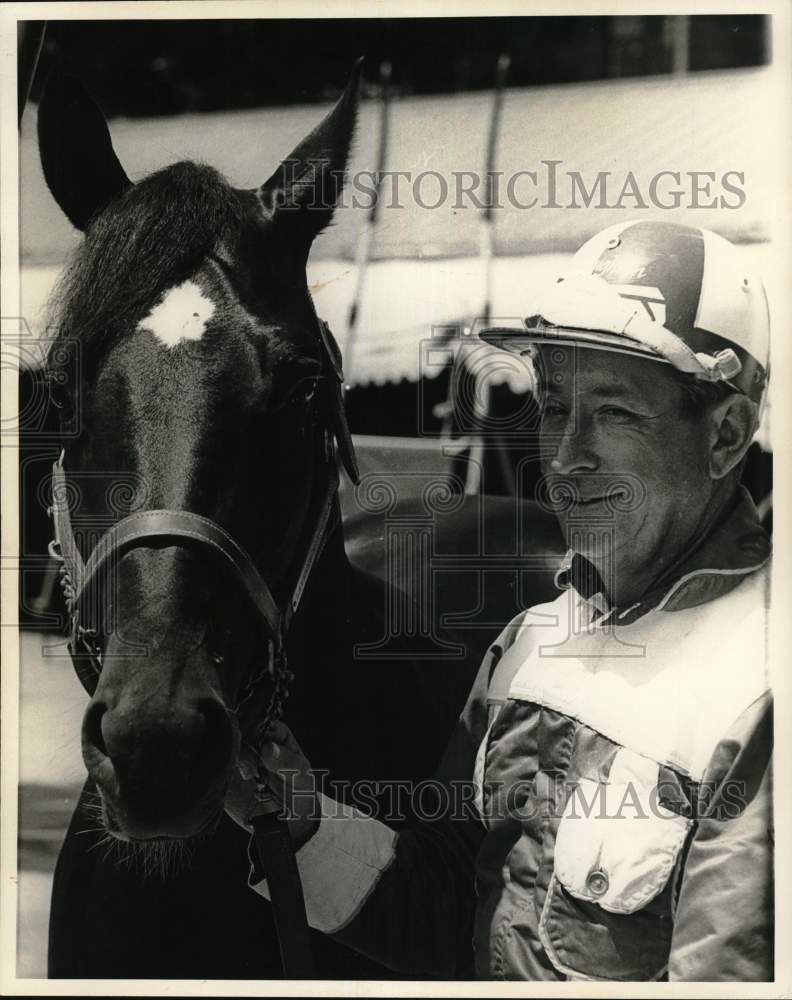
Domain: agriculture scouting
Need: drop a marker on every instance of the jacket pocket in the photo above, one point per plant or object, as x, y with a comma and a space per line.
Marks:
607, 912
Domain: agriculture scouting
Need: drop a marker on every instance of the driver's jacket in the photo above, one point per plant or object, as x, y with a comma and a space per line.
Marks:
617, 825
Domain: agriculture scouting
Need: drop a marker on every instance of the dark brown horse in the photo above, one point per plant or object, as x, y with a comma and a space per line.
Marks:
207, 382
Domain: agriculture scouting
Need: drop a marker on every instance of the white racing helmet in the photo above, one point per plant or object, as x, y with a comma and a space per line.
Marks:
673, 293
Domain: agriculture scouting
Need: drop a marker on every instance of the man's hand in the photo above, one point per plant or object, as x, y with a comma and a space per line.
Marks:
281, 765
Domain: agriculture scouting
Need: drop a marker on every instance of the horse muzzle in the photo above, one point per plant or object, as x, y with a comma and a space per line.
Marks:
162, 766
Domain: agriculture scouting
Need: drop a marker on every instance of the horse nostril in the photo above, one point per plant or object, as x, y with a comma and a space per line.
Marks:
92, 726
215, 717
217, 734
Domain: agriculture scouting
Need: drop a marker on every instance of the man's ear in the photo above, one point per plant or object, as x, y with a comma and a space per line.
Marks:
734, 421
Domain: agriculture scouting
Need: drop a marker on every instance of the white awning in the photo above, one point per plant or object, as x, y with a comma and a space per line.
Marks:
707, 123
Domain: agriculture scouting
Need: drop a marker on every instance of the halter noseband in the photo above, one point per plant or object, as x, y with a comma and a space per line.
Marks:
159, 528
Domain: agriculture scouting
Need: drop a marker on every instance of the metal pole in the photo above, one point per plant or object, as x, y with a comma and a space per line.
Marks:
486, 253
369, 227
681, 35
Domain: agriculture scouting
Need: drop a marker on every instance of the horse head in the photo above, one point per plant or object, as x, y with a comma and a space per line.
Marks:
204, 376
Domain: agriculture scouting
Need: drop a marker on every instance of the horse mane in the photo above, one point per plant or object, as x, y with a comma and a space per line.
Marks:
151, 238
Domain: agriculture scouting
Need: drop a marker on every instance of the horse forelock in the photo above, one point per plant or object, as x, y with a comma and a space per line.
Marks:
150, 239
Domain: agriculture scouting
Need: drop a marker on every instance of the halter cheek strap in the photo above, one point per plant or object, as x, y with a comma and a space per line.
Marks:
338, 420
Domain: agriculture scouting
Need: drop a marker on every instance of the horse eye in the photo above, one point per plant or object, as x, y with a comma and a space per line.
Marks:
60, 391
300, 395
303, 392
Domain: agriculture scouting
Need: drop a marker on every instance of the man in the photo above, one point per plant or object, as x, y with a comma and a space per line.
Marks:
618, 739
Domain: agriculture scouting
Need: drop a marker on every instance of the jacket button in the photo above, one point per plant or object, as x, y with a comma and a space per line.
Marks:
597, 882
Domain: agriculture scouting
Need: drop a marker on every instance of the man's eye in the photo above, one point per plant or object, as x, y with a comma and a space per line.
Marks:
617, 411
554, 410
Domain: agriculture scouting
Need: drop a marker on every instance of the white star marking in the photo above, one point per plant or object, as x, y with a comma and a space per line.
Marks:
181, 315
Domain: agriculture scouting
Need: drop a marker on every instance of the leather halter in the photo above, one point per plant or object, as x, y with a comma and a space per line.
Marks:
159, 528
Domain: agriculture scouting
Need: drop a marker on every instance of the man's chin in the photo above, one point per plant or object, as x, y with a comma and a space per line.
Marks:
604, 547
595, 542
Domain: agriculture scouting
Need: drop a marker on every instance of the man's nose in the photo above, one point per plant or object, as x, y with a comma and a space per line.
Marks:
574, 451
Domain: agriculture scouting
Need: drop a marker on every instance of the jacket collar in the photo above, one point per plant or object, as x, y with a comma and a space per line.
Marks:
736, 546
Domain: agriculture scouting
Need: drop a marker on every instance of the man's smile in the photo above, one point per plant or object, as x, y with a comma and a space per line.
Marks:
589, 501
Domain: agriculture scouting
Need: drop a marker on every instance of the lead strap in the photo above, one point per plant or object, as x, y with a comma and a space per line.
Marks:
315, 548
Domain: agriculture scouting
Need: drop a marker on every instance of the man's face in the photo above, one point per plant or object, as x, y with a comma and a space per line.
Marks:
614, 426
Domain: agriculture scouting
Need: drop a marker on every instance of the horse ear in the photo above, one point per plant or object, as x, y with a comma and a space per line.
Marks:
304, 190
77, 156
